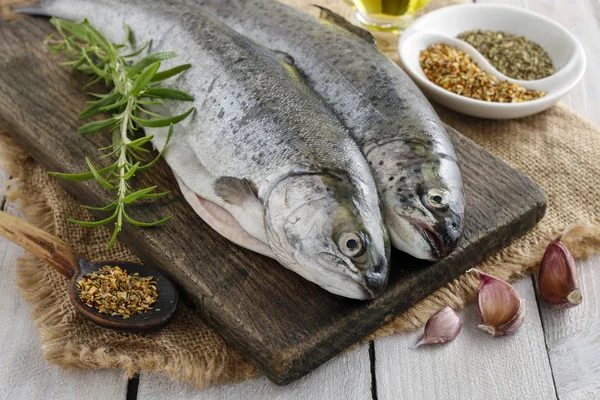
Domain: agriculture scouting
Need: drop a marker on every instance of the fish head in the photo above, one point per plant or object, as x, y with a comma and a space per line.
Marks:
317, 226
422, 197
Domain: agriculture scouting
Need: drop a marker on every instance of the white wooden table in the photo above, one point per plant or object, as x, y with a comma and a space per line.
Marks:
556, 354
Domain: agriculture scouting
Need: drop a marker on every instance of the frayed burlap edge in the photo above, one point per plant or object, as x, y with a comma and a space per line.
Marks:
54, 331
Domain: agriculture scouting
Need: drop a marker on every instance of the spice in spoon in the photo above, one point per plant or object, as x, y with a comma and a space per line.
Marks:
515, 56
453, 70
111, 290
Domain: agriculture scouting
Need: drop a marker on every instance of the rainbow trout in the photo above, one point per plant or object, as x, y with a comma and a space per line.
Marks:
262, 160
403, 139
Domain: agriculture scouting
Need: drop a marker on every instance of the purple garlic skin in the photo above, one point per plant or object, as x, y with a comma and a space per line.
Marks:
441, 327
502, 309
557, 278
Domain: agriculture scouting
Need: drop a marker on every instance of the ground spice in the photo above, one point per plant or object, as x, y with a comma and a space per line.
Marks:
113, 291
515, 56
453, 70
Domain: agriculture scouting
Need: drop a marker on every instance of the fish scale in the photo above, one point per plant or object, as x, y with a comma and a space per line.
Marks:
258, 129
378, 103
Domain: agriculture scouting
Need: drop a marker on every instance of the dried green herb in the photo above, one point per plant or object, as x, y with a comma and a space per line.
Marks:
454, 70
111, 290
134, 87
515, 56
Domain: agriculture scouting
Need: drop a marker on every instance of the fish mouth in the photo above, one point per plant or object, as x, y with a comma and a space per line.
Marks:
369, 282
375, 280
431, 236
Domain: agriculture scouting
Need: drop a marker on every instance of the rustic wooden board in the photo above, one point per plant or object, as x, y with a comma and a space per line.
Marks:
284, 324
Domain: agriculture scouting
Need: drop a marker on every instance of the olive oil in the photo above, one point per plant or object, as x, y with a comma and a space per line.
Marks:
390, 16
382, 9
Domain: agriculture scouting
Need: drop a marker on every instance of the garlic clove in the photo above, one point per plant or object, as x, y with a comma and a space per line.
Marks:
502, 309
441, 327
557, 278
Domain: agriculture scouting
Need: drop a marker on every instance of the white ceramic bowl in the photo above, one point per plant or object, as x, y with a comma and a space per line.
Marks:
443, 25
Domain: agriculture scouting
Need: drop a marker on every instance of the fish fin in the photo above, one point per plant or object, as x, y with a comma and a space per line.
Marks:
40, 8
224, 222
235, 191
336, 19
285, 57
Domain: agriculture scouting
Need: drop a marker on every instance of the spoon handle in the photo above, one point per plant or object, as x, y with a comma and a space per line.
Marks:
53, 251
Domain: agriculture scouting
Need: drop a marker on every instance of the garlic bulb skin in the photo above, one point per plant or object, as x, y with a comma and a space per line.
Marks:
557, 278
502, 309
441, 327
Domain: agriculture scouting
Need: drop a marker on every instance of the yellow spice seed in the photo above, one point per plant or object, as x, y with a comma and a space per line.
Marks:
453, 70
113, 291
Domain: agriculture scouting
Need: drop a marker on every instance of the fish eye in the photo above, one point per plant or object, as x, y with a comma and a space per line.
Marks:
437, 198
351, 244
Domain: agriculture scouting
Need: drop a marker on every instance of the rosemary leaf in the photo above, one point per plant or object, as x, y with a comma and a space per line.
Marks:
97, 175
96, 106
146, 224
138, 51
149, 60
130, 174
159, 156
161, 76
111, 107
160, 122
108, 207
136, 195
95, 126
154, 195
144, 79
92, 223
84, 176
165, 93
141, 141
100, 73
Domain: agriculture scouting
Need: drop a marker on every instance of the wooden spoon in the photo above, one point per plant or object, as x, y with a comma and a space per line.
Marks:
73, 266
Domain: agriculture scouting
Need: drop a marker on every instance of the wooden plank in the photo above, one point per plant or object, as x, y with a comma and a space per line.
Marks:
573, 338
234, 287
473, 366
4, 176
571, 335
348, 377
24, 374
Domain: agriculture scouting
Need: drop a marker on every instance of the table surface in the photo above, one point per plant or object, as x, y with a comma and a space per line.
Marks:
556, 354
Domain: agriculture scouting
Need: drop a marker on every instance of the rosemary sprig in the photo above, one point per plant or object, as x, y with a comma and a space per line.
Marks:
134, 88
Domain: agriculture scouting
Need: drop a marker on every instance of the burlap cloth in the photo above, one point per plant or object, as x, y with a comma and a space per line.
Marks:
557, 148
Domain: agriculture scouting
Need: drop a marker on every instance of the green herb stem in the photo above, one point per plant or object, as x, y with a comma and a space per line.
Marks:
133, 85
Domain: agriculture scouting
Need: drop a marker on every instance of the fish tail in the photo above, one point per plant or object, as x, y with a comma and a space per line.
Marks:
42, 8
72, 10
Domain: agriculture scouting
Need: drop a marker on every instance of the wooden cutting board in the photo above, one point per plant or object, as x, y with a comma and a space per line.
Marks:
285, 325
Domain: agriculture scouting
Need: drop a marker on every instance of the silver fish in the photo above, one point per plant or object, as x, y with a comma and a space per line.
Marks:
263, 160
403, 139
